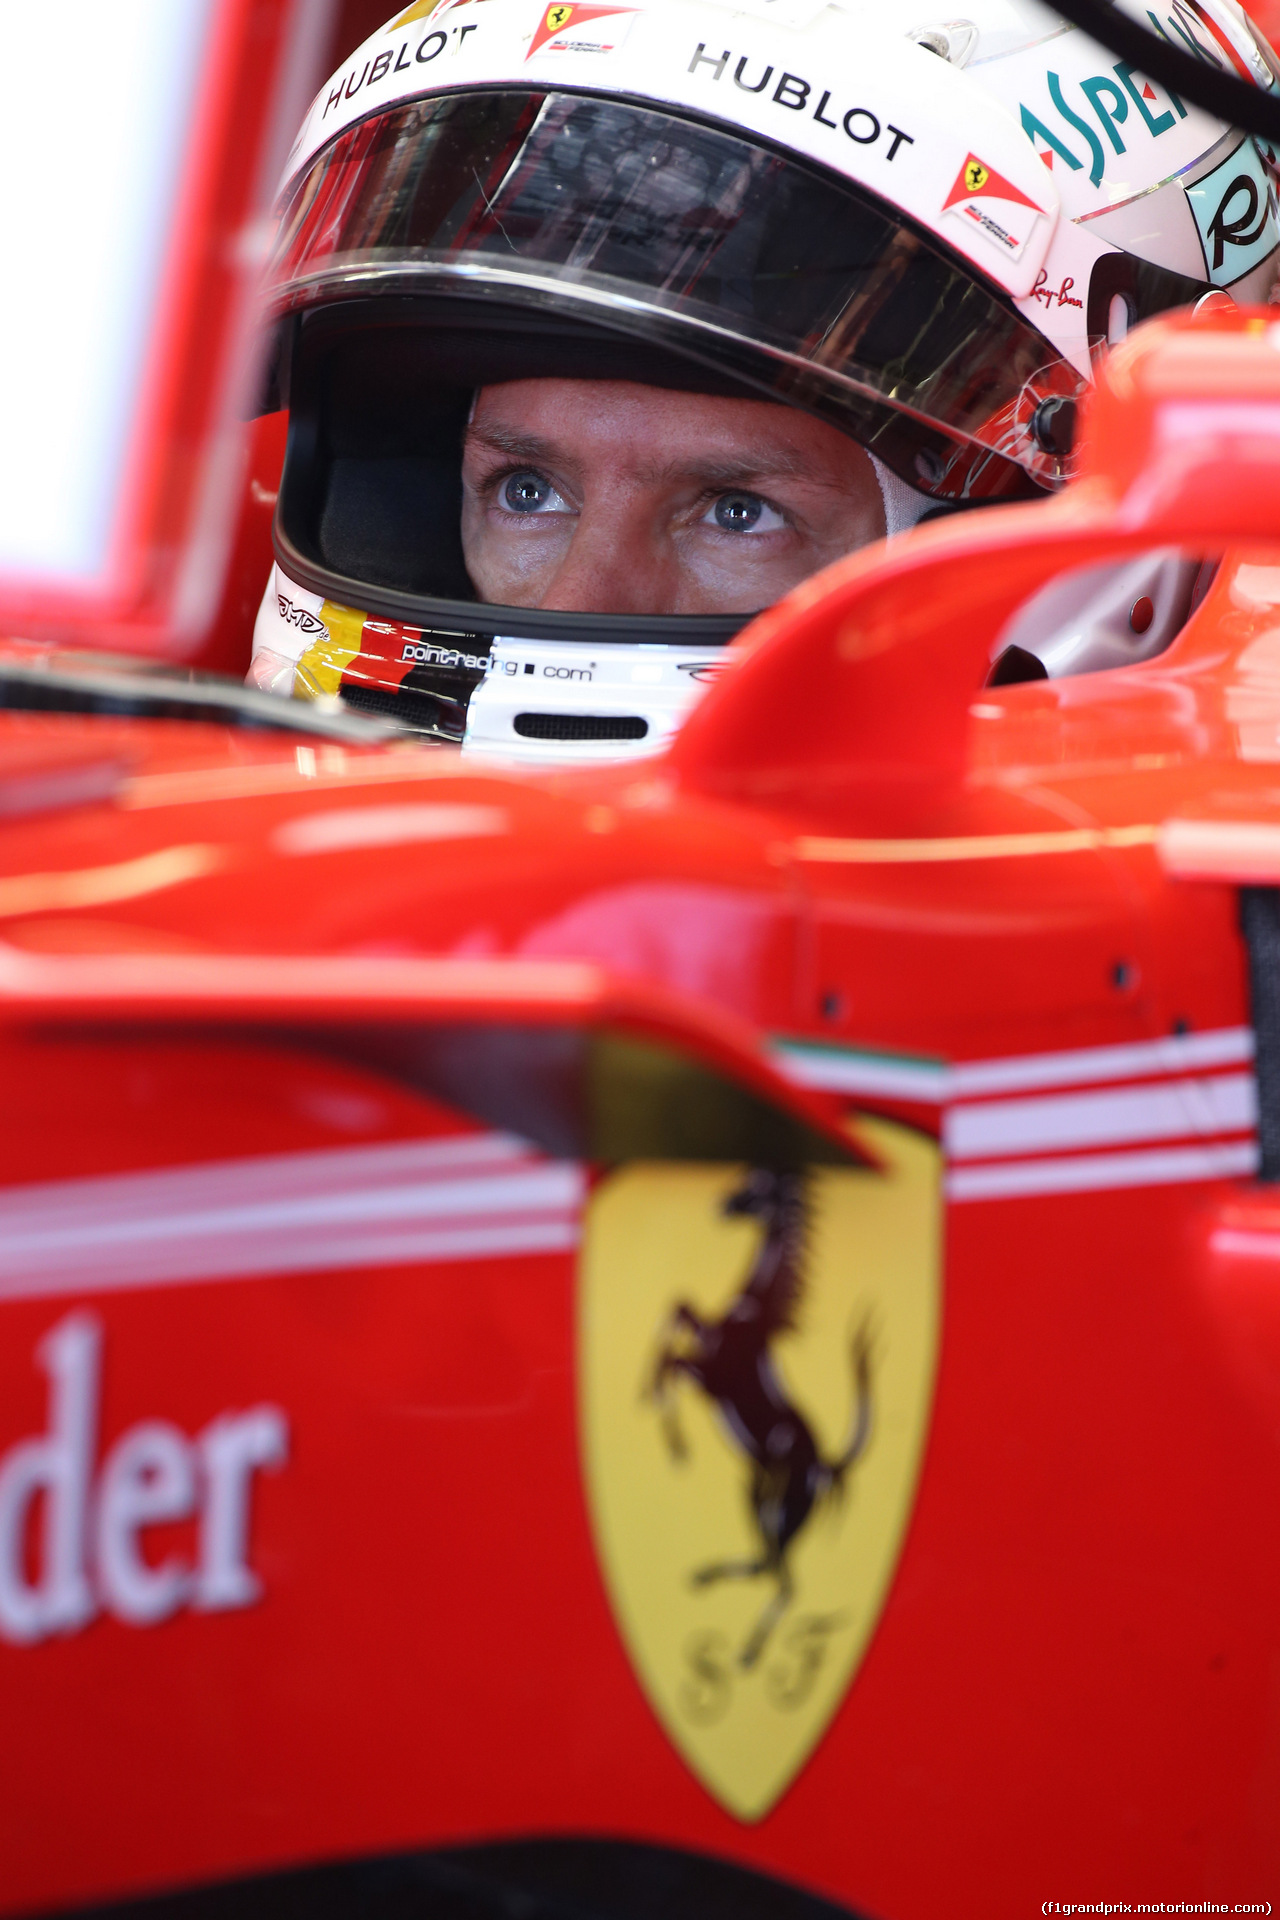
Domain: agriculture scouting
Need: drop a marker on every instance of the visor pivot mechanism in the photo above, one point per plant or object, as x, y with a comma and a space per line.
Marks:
1053, 425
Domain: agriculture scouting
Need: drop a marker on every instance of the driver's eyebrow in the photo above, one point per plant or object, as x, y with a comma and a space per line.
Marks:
711, 471
519, 446
732, 470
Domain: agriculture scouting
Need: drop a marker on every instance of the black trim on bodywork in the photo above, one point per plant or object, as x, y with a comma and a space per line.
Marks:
163, 695
1260, 924
511, 1880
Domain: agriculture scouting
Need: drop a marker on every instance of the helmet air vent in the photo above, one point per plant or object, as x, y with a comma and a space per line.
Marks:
952, 40
580, 726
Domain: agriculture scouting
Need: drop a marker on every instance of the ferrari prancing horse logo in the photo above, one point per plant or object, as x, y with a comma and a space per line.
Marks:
977, 181
757, 1359
731, 1360
609, 26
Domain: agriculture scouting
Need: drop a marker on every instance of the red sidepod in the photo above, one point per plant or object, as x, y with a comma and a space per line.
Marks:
308, 1054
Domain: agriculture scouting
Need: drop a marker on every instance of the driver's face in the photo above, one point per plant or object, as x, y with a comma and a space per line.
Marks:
605, 497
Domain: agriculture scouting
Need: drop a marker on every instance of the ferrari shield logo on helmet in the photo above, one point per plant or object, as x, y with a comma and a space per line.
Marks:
757, 1363
561, 29
992, 206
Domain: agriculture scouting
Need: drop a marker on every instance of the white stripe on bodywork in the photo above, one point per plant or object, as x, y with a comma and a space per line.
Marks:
491, 1194
1187, 1093
1175, 1053
1099, 1172
837, 1070
1172, 1110
413, 1201
102, 1197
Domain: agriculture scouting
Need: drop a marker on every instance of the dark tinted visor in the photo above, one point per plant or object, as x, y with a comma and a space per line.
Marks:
690, 237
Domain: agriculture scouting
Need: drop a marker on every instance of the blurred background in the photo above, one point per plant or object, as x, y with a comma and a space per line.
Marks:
355, 20
229, 643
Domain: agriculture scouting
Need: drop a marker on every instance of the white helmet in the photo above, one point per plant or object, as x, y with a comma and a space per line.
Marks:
921, 231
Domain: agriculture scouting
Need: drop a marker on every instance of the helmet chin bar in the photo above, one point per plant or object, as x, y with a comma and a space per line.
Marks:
508, 680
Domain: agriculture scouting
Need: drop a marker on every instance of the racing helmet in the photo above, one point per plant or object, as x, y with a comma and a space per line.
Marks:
920, 232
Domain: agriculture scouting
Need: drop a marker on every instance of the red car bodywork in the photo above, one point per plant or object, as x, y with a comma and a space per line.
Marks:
855, 863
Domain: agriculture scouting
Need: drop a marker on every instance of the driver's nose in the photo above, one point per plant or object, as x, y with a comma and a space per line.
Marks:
617, 562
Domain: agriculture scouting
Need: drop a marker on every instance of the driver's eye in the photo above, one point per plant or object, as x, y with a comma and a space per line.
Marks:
745, 513
531, 492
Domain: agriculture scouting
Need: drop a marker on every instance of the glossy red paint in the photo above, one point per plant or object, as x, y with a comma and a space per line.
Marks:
220, 965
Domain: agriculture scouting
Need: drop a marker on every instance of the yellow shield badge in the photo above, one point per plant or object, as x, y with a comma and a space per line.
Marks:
757, 1362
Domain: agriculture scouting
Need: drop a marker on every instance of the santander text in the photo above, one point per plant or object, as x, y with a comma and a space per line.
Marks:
87, 1521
